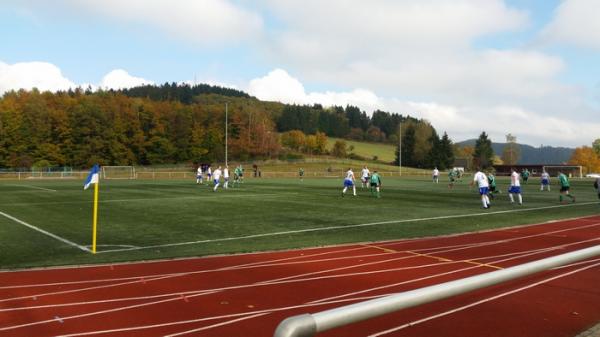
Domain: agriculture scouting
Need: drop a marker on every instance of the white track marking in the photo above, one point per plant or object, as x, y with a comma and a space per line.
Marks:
191, 294
524, 254
54, 236
482, 301
329, 228
34, 187
266, 311
216, 325
165, 276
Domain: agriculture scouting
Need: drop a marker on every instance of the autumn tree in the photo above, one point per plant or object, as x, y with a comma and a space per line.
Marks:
587, 158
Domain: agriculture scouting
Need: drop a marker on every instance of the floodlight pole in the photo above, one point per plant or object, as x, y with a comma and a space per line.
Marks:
226, 120
400, 147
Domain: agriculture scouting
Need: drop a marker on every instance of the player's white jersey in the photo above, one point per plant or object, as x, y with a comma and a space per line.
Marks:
515, 179
199, 171
209, 171
350, 175
436, 172
225, 173
545, 176
365, 173
481, 179
217, 174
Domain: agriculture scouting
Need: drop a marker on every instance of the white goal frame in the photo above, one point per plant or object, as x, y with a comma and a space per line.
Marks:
126, 172
555, 168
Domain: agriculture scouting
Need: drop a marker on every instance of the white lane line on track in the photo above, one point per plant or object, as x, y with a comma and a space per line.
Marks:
320, 229
54, 236
306, 305
177, 296
166, 276
445, 313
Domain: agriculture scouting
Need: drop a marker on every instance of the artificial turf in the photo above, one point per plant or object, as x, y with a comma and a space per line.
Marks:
174, 218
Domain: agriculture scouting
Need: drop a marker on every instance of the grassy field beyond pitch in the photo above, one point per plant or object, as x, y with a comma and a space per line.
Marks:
145, 219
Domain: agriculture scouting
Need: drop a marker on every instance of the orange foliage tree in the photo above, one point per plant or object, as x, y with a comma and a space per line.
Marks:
587, 158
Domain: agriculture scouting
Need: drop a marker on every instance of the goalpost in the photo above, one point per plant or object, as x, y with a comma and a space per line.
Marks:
118, 172
570, 170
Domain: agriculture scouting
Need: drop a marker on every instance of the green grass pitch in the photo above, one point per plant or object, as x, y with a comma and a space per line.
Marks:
152, 219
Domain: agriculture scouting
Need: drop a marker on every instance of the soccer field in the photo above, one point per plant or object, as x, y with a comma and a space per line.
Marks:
48, 222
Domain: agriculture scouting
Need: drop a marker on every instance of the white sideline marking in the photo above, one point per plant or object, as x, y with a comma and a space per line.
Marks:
34, 187
54, 236
489, 299
319, 229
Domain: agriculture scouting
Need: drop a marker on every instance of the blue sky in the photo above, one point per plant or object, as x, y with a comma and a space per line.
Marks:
529, 66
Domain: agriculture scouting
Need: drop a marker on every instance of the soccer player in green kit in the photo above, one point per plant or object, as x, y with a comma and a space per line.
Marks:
565, 186
375, 181
492, 182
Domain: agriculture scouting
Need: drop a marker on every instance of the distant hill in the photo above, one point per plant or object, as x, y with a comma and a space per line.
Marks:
530, 154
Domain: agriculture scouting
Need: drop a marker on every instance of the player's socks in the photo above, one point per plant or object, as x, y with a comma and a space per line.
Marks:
520, 199
354, 190
510, 196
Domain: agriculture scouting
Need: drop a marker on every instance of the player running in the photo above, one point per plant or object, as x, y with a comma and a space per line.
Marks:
451, 178
301, 174
349, 182
209, 173
525, 175
492, 182
565, 186
484, 188
375, 184
199, 175
226, 177
436, 175
364, 177
216, 178
515, 187
545, 181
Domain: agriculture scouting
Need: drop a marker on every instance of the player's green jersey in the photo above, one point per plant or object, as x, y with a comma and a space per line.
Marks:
375, 179
564, 181
491, 180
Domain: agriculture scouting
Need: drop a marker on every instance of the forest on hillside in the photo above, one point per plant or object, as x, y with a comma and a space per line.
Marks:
175, 123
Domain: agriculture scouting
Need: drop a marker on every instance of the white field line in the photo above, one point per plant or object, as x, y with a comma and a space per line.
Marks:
483, 301
182, 295
106, 201
34, 187
251, 314
166, 276
329, 228
54, 236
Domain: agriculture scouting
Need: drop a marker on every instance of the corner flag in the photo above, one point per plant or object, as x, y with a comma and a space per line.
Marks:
94, 178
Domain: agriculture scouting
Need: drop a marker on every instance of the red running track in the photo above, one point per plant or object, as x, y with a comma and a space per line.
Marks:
248, 295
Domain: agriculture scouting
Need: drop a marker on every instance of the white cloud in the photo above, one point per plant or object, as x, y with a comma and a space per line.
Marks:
120, 79
576, 23
461, 121
27, 75
205, 22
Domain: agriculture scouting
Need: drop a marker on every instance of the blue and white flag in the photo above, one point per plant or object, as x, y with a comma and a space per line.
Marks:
92, 178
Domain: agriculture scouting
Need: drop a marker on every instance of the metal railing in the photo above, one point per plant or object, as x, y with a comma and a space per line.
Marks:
308, 325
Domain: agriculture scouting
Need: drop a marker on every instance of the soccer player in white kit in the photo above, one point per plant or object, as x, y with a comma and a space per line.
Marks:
515, 187
364, 177
545, 177
199, 175
436, 175
349, 182
216, 177
226, 177
482, 182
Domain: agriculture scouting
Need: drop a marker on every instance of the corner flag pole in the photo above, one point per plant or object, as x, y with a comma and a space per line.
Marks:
94, 178
95, 225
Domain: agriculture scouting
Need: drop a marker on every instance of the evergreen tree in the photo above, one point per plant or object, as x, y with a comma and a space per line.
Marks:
484, 153
408, 147
446, 152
